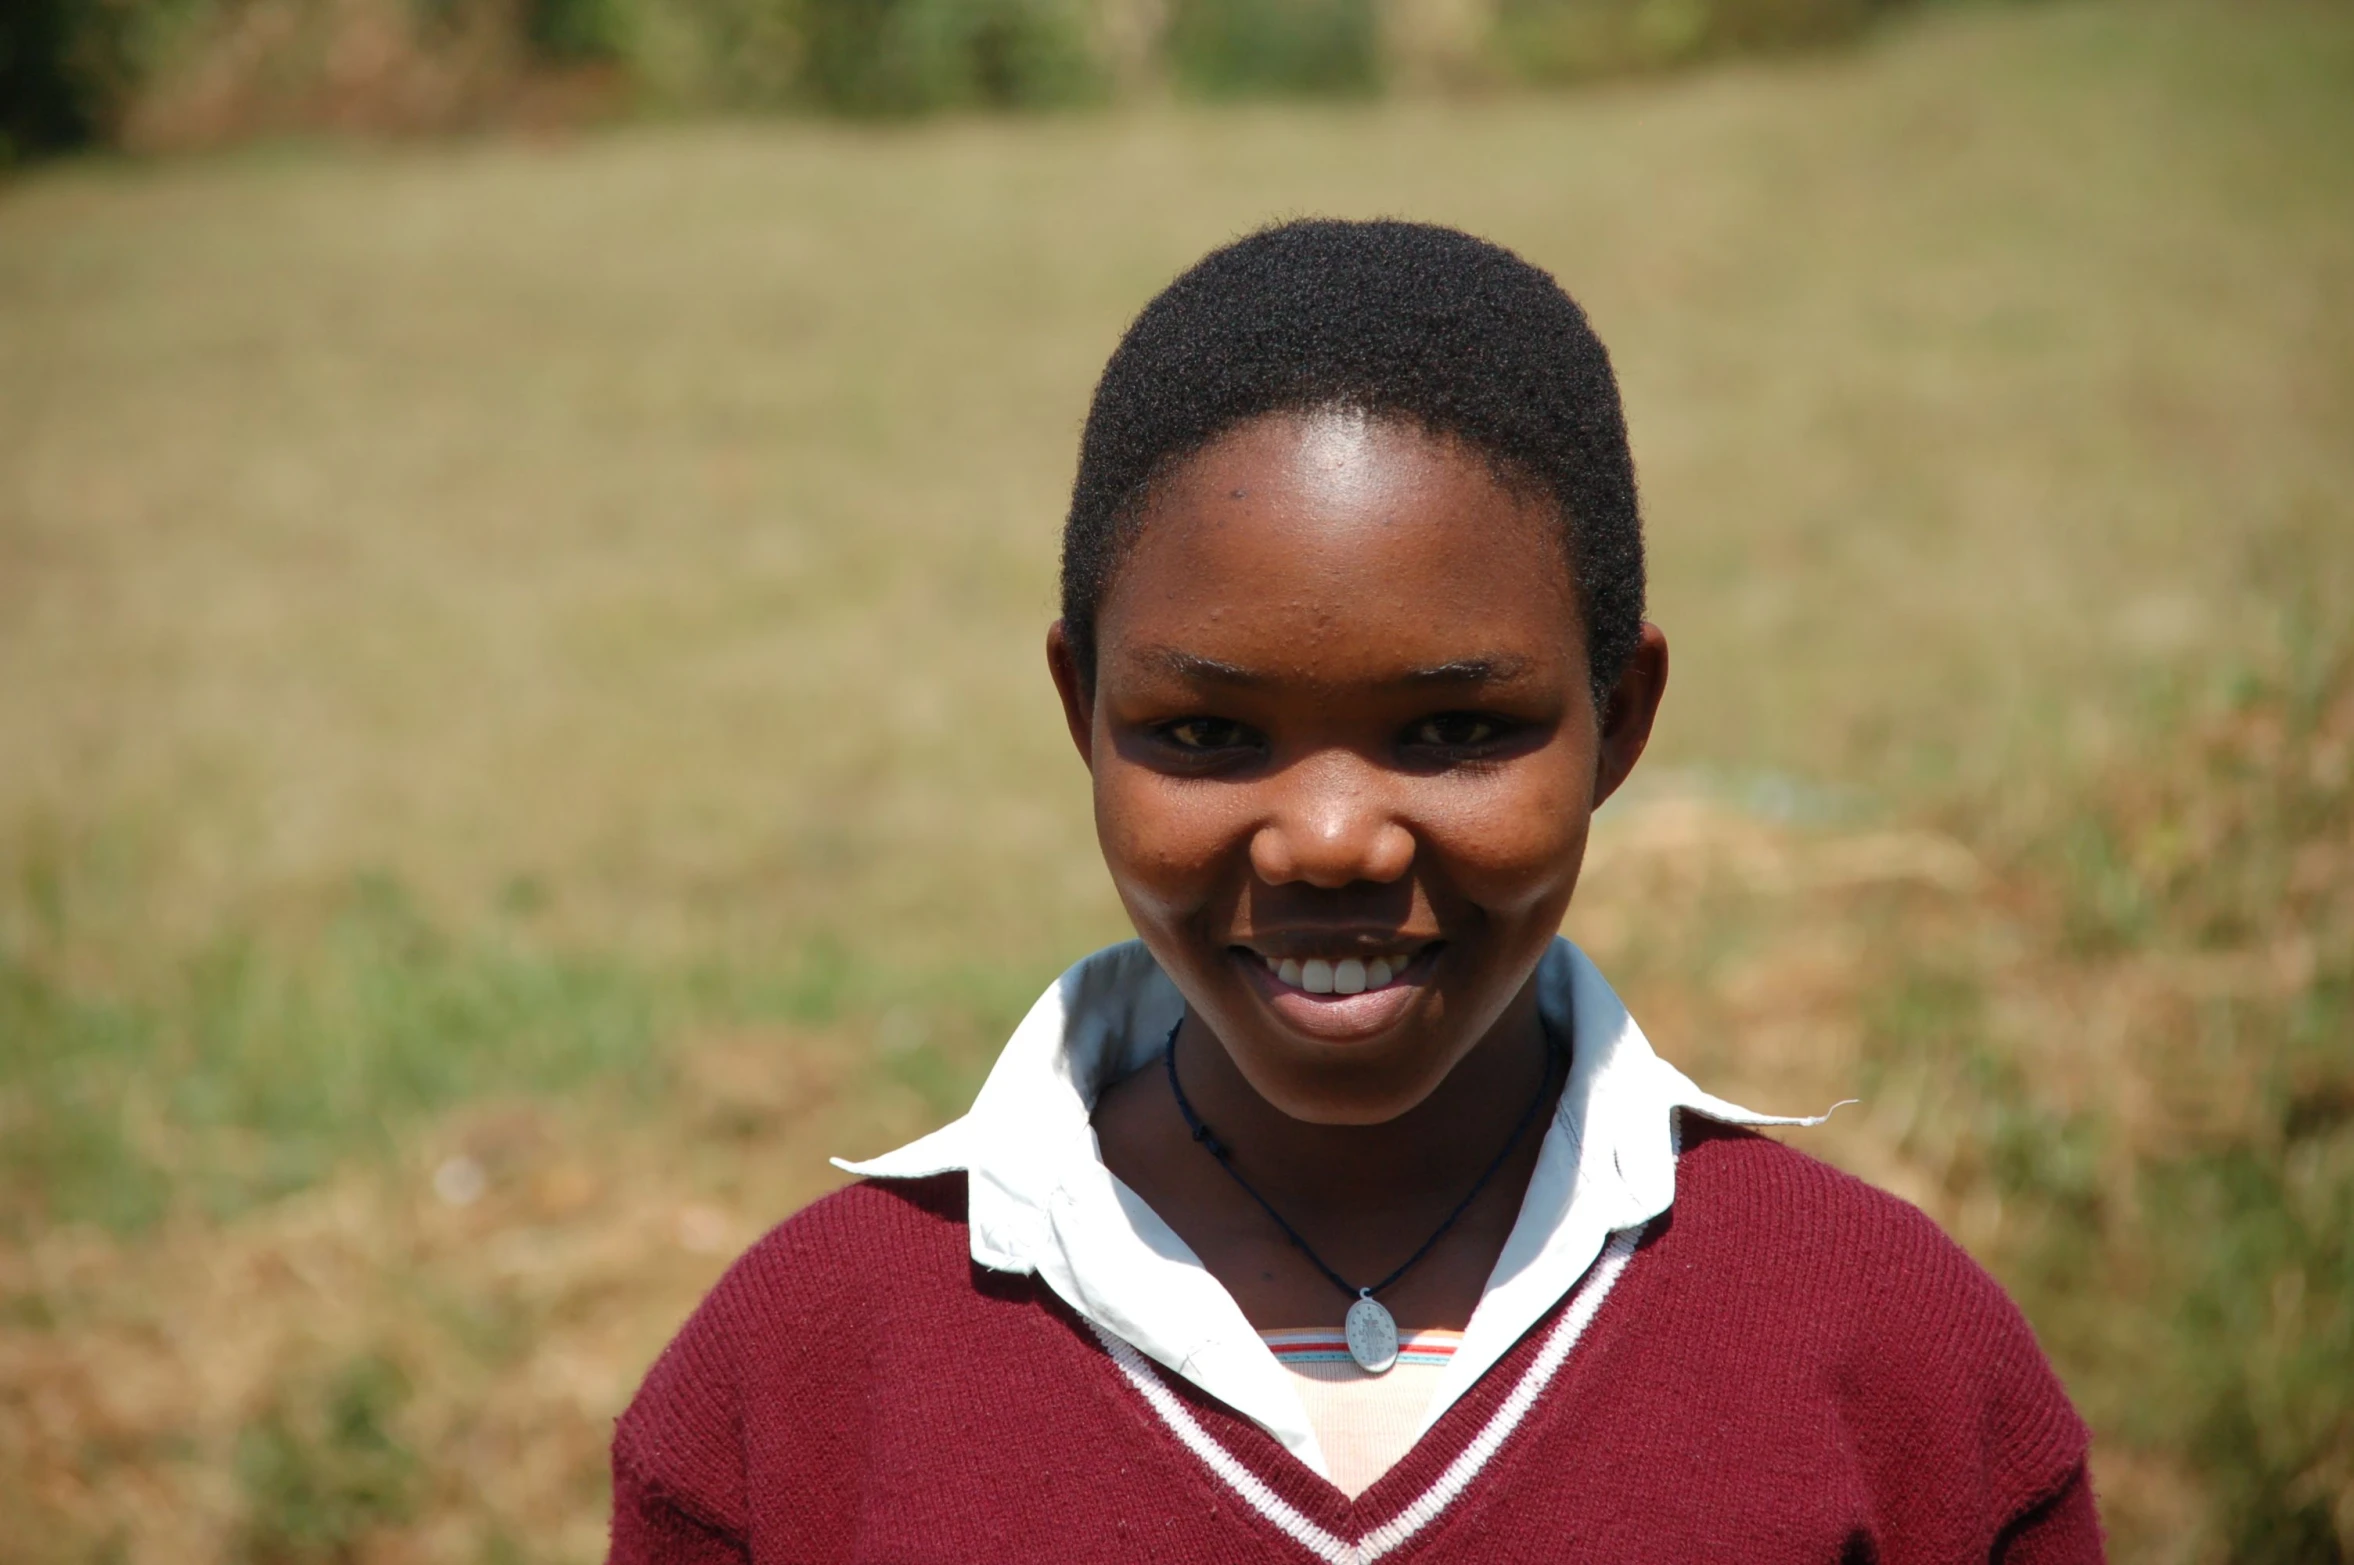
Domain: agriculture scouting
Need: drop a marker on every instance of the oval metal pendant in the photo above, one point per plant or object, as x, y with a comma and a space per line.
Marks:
1373, 1336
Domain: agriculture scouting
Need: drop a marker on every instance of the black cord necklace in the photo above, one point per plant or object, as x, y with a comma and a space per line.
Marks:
1371, 1331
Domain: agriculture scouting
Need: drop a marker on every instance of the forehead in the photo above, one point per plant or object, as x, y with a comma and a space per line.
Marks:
1335, 548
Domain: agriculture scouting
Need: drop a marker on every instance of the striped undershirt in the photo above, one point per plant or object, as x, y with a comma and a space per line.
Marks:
1365, 1422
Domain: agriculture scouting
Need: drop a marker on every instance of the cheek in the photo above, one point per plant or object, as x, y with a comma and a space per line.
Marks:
1165, 842
1515, 844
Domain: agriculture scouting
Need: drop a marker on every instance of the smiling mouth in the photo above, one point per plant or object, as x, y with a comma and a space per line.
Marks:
1356, 972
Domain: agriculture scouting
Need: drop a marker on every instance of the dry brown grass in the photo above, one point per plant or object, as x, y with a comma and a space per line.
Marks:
640, 547
513, 1324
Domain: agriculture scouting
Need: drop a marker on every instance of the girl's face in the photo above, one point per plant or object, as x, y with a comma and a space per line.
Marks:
1344, 750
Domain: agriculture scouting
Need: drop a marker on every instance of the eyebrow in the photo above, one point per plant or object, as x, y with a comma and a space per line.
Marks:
1495, 668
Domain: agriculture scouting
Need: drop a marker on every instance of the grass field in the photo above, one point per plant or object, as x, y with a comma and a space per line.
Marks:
522, 724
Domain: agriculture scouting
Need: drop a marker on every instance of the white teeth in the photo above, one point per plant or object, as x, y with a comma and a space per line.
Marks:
1339, 975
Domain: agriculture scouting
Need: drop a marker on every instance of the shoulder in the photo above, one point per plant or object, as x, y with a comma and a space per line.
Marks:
1927, 1357
1793, 1215
1752, 1189
848, 1255
780, 1315
837, 1243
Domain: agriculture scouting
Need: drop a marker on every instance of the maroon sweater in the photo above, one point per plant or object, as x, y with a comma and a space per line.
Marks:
1791, 1367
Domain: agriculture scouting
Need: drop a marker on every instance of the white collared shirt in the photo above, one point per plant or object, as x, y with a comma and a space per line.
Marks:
1043, 1202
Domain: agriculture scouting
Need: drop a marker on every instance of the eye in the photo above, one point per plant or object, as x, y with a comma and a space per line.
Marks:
1455, 731
1204, 735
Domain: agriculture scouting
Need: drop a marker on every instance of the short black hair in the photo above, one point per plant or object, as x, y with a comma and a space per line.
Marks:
1383, 318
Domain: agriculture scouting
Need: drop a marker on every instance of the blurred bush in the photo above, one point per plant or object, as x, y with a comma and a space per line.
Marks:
907, 56
178, 73
42, 103
563, 31
1234, 48
1560, 40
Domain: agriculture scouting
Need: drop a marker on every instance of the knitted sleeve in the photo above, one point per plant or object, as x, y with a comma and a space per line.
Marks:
765, 1379
1970, 1445
648, 1527
678, 1453
2064, 1530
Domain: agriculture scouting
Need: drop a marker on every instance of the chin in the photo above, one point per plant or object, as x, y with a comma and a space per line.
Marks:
1356, 1084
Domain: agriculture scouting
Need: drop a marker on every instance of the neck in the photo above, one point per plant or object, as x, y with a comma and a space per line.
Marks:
1440, 1145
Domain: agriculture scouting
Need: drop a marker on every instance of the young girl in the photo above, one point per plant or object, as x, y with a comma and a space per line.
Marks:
1347, 1215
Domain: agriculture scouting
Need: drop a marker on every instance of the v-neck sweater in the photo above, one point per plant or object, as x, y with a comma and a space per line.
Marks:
1042, 1202
1787, 1367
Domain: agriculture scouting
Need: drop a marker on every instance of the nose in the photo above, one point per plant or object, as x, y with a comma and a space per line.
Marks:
1332, 825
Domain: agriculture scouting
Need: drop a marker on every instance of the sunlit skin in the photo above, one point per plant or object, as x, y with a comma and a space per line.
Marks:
1341, 705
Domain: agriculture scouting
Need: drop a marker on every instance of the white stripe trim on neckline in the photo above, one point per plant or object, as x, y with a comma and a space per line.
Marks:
1426, 1507
1249, 1486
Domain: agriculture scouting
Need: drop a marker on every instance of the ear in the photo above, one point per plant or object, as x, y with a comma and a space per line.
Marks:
1632, 708
1070, 683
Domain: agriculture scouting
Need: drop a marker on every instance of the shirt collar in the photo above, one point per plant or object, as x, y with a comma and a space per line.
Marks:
1042, 1201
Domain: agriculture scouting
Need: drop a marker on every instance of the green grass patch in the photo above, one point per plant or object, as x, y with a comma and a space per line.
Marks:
323, 1468
258, 1063
246, 1070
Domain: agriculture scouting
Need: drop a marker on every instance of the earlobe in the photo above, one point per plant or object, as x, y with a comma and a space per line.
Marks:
1071, 684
